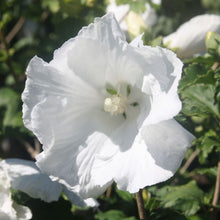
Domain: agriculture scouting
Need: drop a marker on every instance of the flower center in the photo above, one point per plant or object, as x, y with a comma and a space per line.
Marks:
115, 104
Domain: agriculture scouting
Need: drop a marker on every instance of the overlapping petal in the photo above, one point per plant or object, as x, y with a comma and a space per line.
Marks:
155, 155
162, 74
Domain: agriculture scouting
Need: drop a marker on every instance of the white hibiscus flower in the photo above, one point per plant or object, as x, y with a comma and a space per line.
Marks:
130, 21
25, 176
9, 210
189, 39
103, 110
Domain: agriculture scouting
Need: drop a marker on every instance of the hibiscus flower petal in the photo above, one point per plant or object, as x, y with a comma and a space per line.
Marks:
105, 29
154, 157
22, 212
160, 82
25, 176
8, 208
96, 161
49, 98
137, 42
98, 64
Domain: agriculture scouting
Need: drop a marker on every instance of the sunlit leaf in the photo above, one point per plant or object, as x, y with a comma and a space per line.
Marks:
207, 143
10, 104
125, 195
186, 198
112, 215
199, 100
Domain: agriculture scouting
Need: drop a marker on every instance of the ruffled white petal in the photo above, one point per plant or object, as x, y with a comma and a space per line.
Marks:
51, 161
95, 162
13, 211
189, 39
23, 212
86, 166
25, 176
96, 31
155, 156
105, 29
162, 74
98, 64
72, 194
120, 12
9, 210
137, 42
71, 55
49, 98
91, 202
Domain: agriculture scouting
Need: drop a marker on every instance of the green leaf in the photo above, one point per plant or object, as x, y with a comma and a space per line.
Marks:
26, 41
3, 55
206, 144
43, 210
213, 43
211, 4
53, 6
198, 100
186, 198
196, 217
10, 106
157, 42
205, 59
18, 196
212, 171
71, 7
196, 73
125, 195
112, 215
217, 89
5, 20
136, 6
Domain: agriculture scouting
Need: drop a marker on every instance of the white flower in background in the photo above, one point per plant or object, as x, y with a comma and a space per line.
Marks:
157, 2
103, 110
189, 39
135, 24
120, 12
149, 16
130, 21
9, 210
25, 176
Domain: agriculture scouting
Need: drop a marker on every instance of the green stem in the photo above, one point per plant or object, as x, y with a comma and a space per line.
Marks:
217, 187
140, 205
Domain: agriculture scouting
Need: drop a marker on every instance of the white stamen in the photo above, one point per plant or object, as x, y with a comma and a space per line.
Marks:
115, 104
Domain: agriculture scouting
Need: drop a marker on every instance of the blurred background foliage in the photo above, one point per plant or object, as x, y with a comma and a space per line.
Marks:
37, 27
